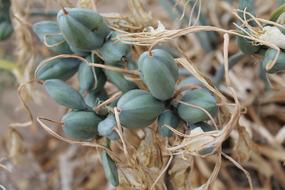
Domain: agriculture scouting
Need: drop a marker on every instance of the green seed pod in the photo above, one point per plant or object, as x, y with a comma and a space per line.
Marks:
246, 45
85, 77
269, 57
199, 97
6, 30
60, 68
110, 169
167, 118
91, 19
113, 51
166, 47
5, 9
205, 127
64, 95
81, 125
89, 76
83, 29
94, 98
49, 33
106, 128
188, 81
138, 109
79, 52
119, 80
132, 65
159, 72
249, 6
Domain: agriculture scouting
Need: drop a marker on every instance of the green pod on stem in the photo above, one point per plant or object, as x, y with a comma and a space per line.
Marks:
198, 97
81, 125
269, 58
119, 80
64, 94
246, 45
168, 118
114, 51
94, 98
48, 32
6, 29
110, 169
5, 10
191, 80
83, 29
106, 128
138, 109
91, 20
132, 65
159, 72
60, 68
90, 77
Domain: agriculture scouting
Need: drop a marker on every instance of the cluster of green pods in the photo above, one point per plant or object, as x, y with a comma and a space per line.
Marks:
248, 47
79, 32
6, 28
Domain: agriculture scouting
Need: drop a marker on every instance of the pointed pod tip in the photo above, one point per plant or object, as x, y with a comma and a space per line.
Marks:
64, 11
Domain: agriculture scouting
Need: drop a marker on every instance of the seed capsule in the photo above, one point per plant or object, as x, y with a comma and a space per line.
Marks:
132, 65
269, 57
85, 77
90, 19
89, 76
246, 45
106, 128
198, 97
110, 169
81, 125
172, 51
83, 29
138, 109
113, 51
167, 118
159, 72
188, 81
49, 33
119, 80
60, 68
6, 30
64, 95
94, 98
